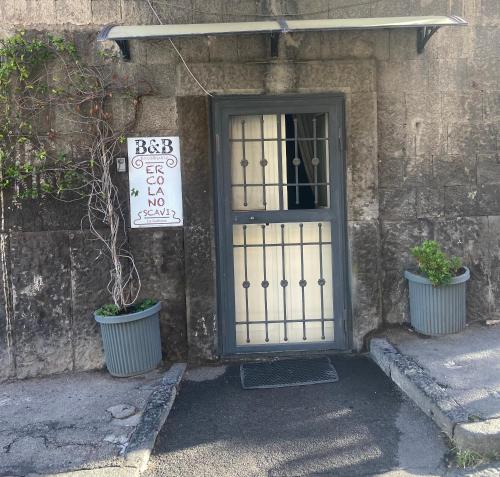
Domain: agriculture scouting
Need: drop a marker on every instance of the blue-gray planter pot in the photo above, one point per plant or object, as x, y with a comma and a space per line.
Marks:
437, 310
131, 342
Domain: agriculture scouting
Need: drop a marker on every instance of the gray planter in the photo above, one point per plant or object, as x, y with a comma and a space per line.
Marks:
438, 310
131, 342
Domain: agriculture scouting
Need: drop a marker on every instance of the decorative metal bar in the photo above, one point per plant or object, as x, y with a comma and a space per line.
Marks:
246, 283
263, 162
288, 244
315, 162
265, 283
287, 139
269, 184
296, 161
244, 164
302, 282
283, 282
280, 165
271, 322
321, 281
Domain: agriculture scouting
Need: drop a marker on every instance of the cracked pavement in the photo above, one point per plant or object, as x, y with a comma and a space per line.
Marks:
60, 423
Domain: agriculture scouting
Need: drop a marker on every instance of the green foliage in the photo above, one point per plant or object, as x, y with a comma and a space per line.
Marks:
41, 78
108, 310
113, 310
21, 57
144, 305
63, 46
434, 264
469, 458
29, 165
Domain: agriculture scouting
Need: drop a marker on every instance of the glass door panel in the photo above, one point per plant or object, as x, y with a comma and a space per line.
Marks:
279, 162
282, 270
283, 283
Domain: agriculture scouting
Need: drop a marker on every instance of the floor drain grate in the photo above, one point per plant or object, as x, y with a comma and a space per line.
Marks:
287, 372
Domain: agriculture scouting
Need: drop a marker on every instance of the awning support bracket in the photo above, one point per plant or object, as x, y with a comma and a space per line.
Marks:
123, 45
275, 36
124, 49
275, 41
423, 36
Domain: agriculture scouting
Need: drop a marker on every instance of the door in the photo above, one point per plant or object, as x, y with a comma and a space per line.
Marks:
280, 186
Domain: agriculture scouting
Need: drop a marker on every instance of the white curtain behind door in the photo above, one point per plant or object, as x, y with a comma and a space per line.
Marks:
281, 301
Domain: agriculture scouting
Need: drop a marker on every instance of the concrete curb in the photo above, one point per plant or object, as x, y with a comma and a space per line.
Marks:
154, 416
488, 470
481, 436
136, 457
97, 472
435, 401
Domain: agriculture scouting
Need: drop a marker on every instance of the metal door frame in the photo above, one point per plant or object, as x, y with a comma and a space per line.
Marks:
222, 107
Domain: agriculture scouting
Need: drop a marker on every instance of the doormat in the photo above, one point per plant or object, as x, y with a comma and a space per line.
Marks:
287, 372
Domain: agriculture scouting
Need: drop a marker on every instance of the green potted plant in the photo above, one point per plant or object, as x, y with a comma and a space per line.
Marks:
131, 337
41, 74
437, 291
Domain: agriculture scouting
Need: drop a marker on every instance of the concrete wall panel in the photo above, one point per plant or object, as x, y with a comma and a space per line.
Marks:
43, 316
159, 256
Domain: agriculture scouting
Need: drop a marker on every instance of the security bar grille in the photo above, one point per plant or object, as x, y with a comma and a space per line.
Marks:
298, 176
283, 282
280, 182
280, 163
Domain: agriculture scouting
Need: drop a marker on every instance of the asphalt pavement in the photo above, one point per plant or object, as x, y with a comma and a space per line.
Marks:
359, 426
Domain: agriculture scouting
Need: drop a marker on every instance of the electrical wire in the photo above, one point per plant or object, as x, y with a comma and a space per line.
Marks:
265, 15
259, 15
178, 52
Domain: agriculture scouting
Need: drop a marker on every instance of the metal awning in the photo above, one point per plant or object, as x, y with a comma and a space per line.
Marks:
426, 26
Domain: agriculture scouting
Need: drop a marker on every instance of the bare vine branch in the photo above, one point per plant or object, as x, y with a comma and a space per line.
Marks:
43, 76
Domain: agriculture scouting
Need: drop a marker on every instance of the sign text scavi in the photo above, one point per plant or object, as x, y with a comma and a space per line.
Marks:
155, 182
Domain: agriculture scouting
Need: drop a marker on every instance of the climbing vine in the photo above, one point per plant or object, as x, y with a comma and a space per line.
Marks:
28, 158
57, 140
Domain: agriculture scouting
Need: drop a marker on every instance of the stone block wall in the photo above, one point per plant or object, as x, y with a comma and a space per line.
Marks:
422, 162
439, 169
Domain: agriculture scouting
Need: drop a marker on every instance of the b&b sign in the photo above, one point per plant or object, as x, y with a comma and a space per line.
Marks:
154, 170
